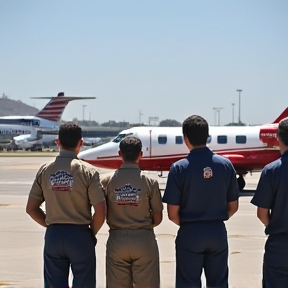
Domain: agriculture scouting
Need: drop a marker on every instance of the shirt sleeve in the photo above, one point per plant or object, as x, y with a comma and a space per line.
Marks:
233, 190
155, 197
264, 194
105, 183
95, 190
173, 192
36, 191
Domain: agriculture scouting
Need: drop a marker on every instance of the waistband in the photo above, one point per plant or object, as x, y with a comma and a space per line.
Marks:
68, 225
204, 222
130, 229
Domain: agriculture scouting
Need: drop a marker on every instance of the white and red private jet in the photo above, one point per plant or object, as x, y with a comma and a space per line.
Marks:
249, 148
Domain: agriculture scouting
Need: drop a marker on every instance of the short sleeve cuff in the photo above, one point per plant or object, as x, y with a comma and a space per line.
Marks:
37, 197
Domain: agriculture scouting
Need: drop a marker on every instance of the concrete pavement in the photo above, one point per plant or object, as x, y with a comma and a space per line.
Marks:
21, 239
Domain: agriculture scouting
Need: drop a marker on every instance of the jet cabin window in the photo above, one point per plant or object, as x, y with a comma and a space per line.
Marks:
222, 139
178, 140
208, 140
24, 122
241, 139
120, 137
36, 123
162, 139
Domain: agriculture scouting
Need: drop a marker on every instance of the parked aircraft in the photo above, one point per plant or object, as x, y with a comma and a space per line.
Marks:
34, 131
249, 148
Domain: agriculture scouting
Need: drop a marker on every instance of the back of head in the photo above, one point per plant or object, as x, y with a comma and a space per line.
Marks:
130, 148
69, 135
282, 132
196, 129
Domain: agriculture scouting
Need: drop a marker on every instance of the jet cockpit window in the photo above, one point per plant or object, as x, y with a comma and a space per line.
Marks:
120, 137
241, 139
222, 139
162, 139
179, 139
209, 139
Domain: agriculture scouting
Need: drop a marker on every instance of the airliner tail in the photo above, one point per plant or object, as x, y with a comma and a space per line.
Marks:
54, 108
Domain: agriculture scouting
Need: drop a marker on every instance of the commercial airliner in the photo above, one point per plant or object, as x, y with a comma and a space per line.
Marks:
34, 131
249, 148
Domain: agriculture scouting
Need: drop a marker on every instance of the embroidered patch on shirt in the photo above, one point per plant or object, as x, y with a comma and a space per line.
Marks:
207, 172
127, 195
61, 181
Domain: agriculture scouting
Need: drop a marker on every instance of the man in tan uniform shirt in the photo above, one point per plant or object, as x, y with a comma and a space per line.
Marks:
134, 208
69, 188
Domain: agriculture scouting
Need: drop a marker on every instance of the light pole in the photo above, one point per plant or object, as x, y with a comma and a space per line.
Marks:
217, 111
233, 113
215, 115
140, 114
83, 111
239, 119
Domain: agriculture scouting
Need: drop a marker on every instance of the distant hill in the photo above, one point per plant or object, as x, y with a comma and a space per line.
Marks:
12, 107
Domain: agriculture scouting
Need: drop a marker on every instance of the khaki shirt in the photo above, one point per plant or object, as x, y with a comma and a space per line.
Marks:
69, 187
131, 198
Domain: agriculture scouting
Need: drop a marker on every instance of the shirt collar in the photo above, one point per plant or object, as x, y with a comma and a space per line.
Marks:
127, 165
67, 154
200, 150
285, 154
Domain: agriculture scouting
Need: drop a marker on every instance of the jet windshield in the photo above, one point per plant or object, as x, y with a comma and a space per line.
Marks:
119, 137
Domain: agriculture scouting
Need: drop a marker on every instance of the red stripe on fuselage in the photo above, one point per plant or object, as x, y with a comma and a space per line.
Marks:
250, 160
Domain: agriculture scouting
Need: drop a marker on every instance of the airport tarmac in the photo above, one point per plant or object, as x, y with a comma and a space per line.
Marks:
21, 239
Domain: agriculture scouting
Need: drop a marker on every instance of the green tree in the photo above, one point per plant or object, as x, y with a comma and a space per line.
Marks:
170, 123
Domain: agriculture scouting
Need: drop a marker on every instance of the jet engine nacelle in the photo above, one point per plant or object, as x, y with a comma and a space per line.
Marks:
268, 135
28, 140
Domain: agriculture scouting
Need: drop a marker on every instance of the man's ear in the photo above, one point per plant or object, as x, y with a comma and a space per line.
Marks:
185, 139
187, 143
57, 142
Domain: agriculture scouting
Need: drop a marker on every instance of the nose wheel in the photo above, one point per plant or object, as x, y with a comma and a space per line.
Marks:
241, 182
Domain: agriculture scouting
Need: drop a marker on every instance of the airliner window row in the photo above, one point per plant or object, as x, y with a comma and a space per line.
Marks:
11, 131
221, 139
25, 122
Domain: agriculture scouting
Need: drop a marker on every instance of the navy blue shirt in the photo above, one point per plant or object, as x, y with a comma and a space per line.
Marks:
272, 194
202, 184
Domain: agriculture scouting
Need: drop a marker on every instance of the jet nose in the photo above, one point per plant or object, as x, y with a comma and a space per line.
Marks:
105, 156
100, 151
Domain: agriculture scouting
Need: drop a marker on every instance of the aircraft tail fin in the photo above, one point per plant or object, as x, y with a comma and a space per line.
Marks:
54, 108
283, 115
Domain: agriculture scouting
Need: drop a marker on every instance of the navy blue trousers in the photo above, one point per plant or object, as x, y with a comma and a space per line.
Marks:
69, 245
202, 245
275, 264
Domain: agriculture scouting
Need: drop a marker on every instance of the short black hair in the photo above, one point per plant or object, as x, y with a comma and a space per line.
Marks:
282, 131
69, 135
196, 129
130, 148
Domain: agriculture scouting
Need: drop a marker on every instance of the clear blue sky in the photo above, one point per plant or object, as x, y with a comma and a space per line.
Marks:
167, 58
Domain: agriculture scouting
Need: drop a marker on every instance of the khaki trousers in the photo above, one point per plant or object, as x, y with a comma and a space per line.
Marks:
132, 256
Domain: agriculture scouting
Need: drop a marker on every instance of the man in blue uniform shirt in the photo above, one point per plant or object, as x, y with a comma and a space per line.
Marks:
271, 198
201, 193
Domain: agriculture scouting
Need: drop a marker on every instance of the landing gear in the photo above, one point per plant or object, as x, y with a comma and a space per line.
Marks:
36, 147
241, 182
